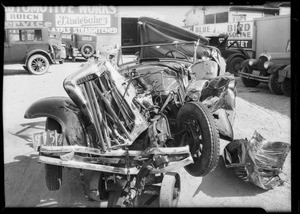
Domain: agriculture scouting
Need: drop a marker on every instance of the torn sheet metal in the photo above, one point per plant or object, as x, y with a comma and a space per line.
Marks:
257, 160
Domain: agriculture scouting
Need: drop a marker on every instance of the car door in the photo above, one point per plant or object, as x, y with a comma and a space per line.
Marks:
17, 45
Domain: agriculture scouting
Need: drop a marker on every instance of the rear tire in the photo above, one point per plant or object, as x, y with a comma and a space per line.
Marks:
274, 85
53, 173
249, 82
38, 64
201, 135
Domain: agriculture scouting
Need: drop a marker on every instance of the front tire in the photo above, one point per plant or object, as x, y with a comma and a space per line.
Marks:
235, 65
38, 64
201, 135
274, 85
53, 173
286, 87
249, 82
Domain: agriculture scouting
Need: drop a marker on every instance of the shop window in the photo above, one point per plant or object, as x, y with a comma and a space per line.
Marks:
210, 19
16, 35
221, 17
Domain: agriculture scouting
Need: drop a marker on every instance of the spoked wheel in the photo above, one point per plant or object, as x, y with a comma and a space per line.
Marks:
87, 50
274, 85
170, 190
202, 136
53, 174
38, 64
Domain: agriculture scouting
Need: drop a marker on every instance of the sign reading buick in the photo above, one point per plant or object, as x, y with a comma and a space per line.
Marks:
66, 19
230, 28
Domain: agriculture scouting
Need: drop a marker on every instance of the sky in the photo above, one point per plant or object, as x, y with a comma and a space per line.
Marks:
171, 14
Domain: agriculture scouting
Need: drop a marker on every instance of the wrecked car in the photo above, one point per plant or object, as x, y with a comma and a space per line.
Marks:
134, 123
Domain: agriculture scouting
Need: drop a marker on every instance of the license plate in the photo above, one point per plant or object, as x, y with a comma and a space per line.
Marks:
47, 138
256, 73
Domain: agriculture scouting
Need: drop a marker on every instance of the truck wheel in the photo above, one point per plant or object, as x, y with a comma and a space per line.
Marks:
38, 64
170, 190
234, 65
249, 82
87, 50
286, 87
274, 85
53, 173
202, 136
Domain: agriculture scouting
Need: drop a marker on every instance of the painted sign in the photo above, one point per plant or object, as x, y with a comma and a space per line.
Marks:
66, 19
229, 28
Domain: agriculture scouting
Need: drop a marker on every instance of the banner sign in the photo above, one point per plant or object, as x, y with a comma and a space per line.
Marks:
66, 19
229, 28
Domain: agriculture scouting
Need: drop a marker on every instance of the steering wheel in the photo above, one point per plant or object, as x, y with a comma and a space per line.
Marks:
172, 51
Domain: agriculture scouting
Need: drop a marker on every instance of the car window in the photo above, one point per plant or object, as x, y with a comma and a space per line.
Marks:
16, 35
34, 35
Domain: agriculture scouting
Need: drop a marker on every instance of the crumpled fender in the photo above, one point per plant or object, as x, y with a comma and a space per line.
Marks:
223, 124
283, 73
64, 111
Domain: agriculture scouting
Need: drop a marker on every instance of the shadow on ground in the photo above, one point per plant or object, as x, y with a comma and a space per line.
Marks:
13, 72
222, 182
257, 96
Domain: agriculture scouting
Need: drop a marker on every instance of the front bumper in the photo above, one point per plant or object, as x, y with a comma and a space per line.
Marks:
68, 156
253, 76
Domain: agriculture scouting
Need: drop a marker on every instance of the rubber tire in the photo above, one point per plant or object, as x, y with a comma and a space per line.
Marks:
232, 64
210, 137
274, 85
286, 87
98, 183
34, 57
53, 173
87, 46
166, 195
249, 82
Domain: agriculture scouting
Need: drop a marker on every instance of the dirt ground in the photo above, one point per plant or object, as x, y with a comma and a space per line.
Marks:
256, 109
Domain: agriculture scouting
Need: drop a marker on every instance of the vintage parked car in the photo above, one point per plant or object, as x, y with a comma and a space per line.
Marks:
81, 45
266, 70
233, 56
35, 47
133, 123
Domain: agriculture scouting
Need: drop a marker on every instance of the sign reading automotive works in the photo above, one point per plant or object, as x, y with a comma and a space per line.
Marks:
66, 19
230, 28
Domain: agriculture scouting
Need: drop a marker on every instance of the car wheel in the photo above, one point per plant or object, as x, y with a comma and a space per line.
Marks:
286, 87
38, 64
249, 82
87, 50
53, 173
274, 85
170, 190
234, 65
201, 134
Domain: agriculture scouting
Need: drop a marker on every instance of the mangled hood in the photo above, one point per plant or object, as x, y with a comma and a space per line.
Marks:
153, 31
